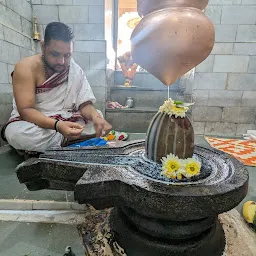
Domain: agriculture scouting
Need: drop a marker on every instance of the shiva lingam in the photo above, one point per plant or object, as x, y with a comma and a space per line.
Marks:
155, 213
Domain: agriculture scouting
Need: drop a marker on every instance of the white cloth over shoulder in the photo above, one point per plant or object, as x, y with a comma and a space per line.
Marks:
63, 100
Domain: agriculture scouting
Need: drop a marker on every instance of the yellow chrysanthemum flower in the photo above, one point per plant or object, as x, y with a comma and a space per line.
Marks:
192, 167
169, 107
170, 165
169, 175
175, 168
165, 107
178, 112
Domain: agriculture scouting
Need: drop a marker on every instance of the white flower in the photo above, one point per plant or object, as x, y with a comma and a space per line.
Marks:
171, 108
170, 165
175, 168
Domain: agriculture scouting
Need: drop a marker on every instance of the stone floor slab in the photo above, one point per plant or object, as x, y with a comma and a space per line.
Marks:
38, 239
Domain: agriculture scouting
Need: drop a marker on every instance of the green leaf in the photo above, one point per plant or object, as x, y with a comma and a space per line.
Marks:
178, 102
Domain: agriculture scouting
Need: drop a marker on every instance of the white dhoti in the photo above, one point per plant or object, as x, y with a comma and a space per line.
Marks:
63, 100
27, 136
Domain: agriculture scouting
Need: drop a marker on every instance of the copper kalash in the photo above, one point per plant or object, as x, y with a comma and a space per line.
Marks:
172, 38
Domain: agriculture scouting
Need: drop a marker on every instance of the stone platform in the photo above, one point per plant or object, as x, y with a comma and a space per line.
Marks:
153, 216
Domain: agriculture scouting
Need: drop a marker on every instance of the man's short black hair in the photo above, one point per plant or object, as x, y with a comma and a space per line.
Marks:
58, 31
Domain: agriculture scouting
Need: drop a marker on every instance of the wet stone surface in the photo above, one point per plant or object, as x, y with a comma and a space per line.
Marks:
138, 162
120, 175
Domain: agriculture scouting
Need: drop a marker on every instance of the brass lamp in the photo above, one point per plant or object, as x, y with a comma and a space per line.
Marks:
36, 34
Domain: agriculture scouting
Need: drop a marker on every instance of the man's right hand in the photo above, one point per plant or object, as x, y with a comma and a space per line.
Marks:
69, 130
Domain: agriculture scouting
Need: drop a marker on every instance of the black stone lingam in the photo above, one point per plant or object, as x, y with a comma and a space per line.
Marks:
152, 216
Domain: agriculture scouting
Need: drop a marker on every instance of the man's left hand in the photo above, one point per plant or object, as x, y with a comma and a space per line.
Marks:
102, 127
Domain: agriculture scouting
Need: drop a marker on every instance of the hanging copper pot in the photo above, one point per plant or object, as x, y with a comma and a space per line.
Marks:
144, 7
169, 135
169, 42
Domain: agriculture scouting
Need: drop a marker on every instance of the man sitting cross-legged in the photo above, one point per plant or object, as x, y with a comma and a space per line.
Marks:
53, 100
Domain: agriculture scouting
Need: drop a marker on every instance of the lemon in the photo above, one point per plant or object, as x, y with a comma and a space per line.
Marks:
249, 211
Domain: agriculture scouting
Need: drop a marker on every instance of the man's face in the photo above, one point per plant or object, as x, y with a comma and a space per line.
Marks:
57, 55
